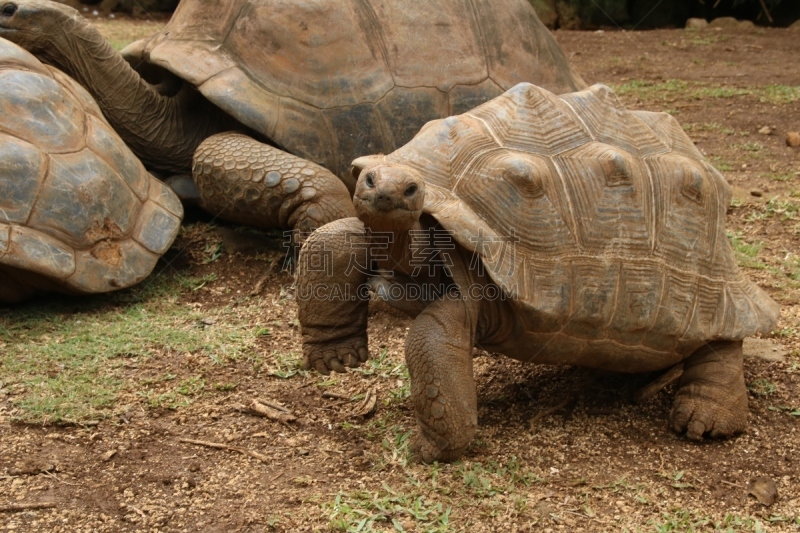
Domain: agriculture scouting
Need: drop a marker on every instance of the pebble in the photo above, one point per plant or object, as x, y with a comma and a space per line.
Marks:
696, 24
766, 130
756, 193
793, 139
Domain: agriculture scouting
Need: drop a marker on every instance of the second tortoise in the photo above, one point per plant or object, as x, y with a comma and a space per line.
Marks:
553, 229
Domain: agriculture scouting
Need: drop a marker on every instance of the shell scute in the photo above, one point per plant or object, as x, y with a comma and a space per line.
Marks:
509, 118
517, 194
639, 293
594, 288
609, 122
111, 265
22, 170
609, 194
36, 109
30, 249
107, 145
85, 201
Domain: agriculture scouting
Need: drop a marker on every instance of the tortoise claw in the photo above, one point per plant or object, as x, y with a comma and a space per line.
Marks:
335, 356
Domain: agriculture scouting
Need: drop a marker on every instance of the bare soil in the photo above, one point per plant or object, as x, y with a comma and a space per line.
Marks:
558, 449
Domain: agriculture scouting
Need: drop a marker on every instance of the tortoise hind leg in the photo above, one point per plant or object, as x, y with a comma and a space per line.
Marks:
245, 181
712, 396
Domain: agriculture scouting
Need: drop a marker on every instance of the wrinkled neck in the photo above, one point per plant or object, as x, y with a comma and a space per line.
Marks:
159, 129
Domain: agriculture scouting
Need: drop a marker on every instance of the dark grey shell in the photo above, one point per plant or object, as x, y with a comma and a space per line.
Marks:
332, 80
607, 226
78, 211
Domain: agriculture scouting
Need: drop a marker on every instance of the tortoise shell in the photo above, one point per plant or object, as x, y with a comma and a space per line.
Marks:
606, 226
78, 211
332, 80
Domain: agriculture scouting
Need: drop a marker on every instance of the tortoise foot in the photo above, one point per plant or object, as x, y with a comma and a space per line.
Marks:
429, 449
712, 396
335, 355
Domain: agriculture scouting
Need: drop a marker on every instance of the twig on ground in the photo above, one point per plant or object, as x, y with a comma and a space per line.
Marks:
274, 405
50, 474
650, 390
335, 396
17, 507
367, 407
547, 412
263, 279
733, 484
137, 511
271, 411
244, 451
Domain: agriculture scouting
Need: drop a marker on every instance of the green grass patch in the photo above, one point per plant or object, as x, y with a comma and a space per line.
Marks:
779, 94
673, 89
746, 253
785, 209
65, 356
685, 521
387, 510
121, 33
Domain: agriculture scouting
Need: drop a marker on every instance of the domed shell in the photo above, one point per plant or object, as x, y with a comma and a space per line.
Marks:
606, 225
332, 80
78, 211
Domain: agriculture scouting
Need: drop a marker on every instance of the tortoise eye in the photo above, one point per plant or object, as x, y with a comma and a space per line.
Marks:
411, 190
9, 10
370, 180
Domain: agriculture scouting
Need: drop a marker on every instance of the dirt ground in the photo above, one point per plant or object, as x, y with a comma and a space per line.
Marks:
558, 448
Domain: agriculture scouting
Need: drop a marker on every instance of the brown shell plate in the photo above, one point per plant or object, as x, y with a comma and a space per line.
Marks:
77, 208
332, 80
605, 224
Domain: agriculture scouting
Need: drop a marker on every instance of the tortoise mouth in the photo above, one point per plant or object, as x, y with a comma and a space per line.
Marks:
385, 216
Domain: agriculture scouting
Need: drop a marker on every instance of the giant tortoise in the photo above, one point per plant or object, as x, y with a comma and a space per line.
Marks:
553, 229
326, 81
78, 211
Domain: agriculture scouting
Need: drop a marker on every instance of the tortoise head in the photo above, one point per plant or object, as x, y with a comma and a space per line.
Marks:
35, 24
389, 196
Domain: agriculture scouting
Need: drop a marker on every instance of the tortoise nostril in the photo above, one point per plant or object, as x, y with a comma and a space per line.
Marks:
411, 190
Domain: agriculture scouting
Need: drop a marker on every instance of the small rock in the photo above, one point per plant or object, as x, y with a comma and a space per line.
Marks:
724, 22
696, 24
766, 130
302, 451
31, 468
764, 489
756, 193
544, 509
106, 457
793, 139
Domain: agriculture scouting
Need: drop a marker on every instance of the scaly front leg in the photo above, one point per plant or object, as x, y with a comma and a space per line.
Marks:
332, 296
439, 358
